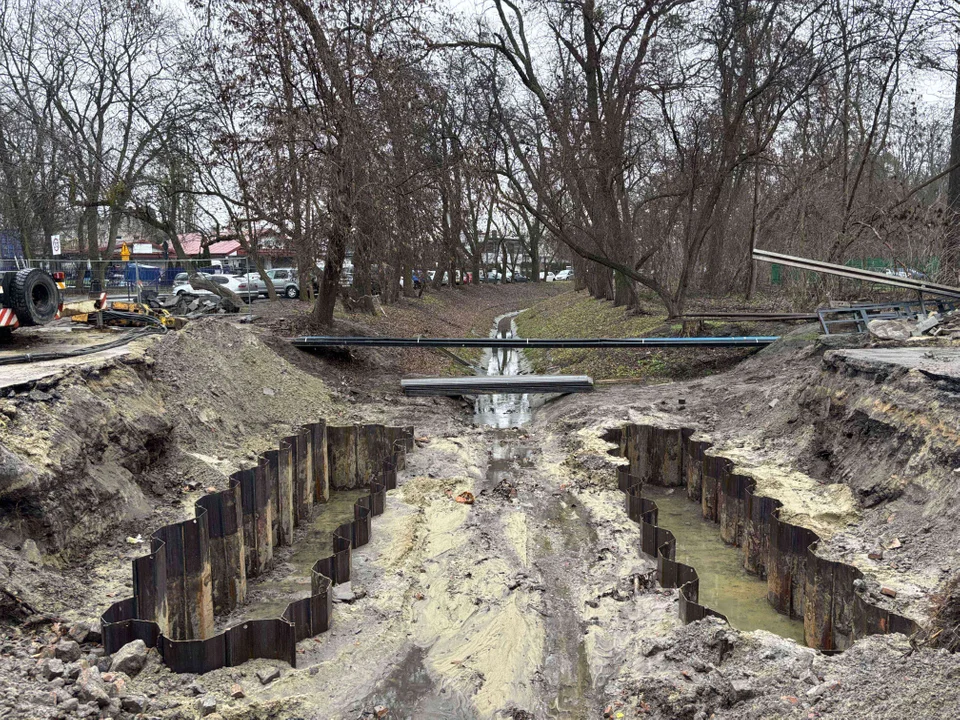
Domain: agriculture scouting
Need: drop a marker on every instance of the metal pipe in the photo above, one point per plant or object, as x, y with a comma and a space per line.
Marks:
323, 341
920, 286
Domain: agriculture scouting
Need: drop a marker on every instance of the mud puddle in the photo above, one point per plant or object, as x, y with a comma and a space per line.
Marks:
269, 597
566, 668
724, 585
409, 693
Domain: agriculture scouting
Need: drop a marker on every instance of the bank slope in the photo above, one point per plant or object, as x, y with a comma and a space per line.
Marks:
576, 314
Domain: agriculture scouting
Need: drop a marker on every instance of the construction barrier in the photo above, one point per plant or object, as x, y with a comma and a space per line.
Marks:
198, 568
800, 583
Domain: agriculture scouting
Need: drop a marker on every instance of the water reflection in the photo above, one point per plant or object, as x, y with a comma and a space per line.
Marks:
503, 410
724, 585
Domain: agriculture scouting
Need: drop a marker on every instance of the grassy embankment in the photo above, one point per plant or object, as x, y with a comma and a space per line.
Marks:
463, 311
576, 314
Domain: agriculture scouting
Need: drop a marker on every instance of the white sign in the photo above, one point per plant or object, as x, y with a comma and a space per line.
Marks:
142, 248
55, 247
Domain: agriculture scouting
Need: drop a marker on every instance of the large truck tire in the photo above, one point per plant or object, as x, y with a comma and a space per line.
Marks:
34, 297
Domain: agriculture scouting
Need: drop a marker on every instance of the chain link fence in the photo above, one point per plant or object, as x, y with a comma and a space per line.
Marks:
134, 279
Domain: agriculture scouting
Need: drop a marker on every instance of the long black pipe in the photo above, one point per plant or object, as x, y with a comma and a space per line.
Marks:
325, 341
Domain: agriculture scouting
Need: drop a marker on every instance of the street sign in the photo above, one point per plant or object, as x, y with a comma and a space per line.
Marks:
55, 247
125, 252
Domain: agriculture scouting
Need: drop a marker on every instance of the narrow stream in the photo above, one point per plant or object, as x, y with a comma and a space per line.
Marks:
724, 585
503, 410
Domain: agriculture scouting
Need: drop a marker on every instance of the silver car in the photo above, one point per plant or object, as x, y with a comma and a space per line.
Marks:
243, 287
285, 281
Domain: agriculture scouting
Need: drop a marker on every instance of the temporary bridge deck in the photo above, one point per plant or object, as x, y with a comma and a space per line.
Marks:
497, 384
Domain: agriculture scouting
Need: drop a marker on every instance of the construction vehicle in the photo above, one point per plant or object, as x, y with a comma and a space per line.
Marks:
29, 297
128, 314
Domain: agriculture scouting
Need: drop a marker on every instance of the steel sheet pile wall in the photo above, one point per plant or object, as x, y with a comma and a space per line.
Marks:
800, 583
659, 543
198, 568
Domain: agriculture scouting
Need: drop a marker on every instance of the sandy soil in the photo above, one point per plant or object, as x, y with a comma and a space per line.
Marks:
534, 601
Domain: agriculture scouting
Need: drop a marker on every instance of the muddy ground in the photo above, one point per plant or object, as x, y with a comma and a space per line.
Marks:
534, 601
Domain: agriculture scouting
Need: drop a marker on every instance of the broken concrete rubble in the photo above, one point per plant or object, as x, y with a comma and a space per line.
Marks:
891, 329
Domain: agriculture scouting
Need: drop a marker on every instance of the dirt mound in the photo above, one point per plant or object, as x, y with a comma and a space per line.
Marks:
99, 446
227, 389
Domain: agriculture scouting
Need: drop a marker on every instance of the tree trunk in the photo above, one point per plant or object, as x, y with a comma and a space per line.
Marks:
330, 282
622, 291
953, 191
113, 227
93, 242
752, 264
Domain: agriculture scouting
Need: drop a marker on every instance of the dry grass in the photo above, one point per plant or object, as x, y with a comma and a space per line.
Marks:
576, 314
462, 311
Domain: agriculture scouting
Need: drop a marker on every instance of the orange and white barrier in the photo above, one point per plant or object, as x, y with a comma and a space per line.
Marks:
8, 318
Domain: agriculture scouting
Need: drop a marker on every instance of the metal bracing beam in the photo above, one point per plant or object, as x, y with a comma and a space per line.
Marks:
920, 286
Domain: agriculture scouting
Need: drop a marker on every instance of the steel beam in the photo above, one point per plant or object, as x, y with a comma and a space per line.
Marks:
920, 286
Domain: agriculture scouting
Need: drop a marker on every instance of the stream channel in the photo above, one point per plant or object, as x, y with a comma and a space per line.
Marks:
724, 585
409, 691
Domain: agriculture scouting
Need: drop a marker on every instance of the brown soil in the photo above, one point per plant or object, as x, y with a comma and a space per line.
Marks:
532, 602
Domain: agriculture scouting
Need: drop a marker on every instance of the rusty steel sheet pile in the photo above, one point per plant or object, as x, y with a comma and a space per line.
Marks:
198, 569
659, 543
800, 583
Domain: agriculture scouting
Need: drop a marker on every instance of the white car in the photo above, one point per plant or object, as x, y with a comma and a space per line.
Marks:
240, 285
548, 277
564, 275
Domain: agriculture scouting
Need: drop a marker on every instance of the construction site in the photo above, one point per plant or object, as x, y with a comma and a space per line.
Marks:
219, 516
479, 360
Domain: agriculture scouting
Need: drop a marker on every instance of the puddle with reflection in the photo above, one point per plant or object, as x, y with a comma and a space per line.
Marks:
724, 585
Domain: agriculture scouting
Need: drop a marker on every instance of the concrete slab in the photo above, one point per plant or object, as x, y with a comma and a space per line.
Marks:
936, 362
14, 375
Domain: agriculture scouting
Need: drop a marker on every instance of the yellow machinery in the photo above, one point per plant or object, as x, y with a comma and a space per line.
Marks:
124, 314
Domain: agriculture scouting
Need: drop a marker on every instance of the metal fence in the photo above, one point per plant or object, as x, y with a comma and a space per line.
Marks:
199, 568
127, 280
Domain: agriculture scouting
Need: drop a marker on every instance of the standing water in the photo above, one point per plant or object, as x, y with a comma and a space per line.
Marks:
724, 585
503, 410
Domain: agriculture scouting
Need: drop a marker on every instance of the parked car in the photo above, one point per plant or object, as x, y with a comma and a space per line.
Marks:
904, 273
518, 278
497, 276
564, 275
285, 281
548, 276
240, 285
